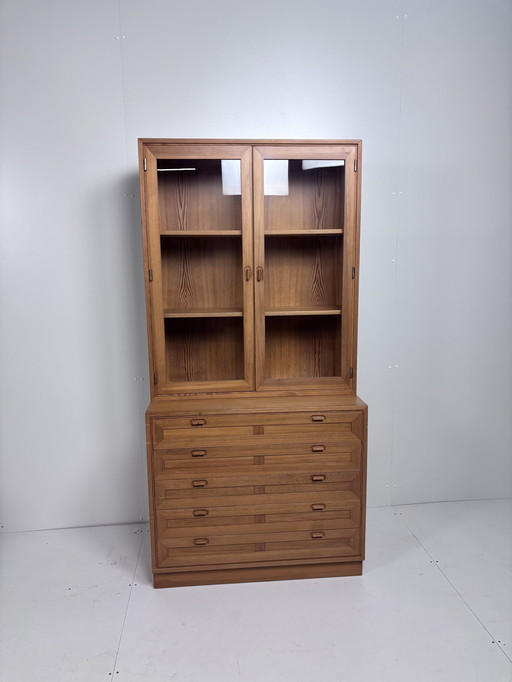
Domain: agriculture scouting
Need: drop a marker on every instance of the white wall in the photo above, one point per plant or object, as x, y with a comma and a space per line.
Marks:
428, 88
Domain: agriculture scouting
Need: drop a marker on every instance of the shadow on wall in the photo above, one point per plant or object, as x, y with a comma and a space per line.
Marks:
117, 358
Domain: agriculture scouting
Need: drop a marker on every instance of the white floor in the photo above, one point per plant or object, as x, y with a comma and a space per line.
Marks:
434, 603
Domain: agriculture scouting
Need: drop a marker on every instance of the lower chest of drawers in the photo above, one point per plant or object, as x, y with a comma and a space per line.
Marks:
268, 491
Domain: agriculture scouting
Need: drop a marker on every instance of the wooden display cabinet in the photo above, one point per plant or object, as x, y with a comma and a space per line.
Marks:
256, 439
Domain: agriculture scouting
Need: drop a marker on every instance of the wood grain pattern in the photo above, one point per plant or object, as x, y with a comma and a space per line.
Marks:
204, 349
303, 272
296, 347
319, 418
193, 200
289, 571
257, 404
202, 273
338, 543
168, 527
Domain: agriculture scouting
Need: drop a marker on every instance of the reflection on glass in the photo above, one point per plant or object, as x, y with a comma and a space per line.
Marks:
276, 172
231, 180
322, 163
275, 177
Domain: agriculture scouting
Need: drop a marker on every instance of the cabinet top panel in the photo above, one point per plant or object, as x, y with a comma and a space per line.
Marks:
160, 140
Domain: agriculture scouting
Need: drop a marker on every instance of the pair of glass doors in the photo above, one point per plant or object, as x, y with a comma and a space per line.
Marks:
251, 256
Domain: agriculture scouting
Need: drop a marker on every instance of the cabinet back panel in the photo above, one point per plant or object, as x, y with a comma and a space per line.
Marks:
314, 200
302, 271
193, 200
302, 347
204, 349
202, 273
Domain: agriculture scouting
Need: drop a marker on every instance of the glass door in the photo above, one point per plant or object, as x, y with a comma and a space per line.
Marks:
200, 237
304, 214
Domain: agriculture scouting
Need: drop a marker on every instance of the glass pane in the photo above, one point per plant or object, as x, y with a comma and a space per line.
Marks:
304, 194
199, 194
303, 224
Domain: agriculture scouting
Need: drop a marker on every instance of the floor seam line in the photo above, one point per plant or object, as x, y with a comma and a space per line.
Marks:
436, 564
128, 604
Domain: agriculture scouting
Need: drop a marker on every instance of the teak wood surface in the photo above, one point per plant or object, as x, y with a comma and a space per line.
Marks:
256, 440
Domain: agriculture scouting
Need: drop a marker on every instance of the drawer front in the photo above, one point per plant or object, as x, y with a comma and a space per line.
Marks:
259, 487
194, 491
205, 521
198, 550
347, 451
215, 506
167, 467
167, 437
197, 421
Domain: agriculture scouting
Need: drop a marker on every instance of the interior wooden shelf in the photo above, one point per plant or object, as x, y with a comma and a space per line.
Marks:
309, 310
314, 233
204, 312
201, 233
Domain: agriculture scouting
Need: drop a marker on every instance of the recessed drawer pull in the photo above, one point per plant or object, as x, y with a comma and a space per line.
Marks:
198, 453
318, 448
200, 512
317, 535
318, 507
197, 422
318, 417
201, 541
199, 484
318, 478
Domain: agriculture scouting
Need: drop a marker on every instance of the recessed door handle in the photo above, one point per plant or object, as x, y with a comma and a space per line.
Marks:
199, 484
317, 507
259, 274
318, 448
198, 453
197, 422
318, 478
318, 417
200, 512
248, 274
201, 541
317, 535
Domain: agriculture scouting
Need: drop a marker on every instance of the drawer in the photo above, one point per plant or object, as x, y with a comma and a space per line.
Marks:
257, 476
197, 421
343, 461
204, 521
193, 491
346, 450
216, 505
167, 437
197, 550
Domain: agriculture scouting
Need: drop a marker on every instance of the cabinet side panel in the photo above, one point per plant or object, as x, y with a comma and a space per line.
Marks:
151, 490
147, 260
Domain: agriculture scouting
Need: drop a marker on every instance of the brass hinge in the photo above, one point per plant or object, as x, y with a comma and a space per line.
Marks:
150, 275
145, 165
351, 373
353, 273
155, 378
355, 166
